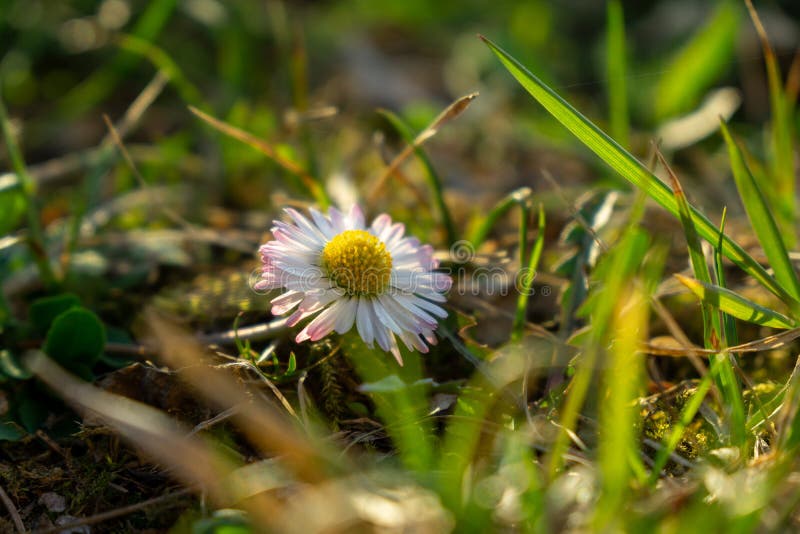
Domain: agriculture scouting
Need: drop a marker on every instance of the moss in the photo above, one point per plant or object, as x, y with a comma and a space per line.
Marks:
660, 412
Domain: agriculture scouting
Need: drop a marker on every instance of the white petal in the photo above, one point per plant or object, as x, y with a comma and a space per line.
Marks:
404, 318
392, 235
298, 237
338, 221
429, 306
384, 316
308, 228
364, 321
355, 220
312, 303
407, 302
283, 303
413, 341
321, 325
382, 335
323, 223
347, 315
395, 350
380, 223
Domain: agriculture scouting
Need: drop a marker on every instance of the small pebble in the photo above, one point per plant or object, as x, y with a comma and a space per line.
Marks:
53, 502
66, 520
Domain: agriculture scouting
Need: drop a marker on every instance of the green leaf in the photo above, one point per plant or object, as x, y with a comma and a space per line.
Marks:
76, 339
10, 366
636, 173
755, 204
736, 305
44, 310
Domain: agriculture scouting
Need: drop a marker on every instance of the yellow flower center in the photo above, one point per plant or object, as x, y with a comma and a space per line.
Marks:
358, 262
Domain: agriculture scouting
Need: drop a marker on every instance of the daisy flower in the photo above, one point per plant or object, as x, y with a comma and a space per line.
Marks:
340, 270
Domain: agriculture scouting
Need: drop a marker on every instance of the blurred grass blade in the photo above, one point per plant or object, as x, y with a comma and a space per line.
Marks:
736, 305
434, 182
161, 60
616, 72
789, 437
484, 391
309, 182
189, 458
527, 275
27, 189
264, 426
633, 171
782, 149
400, 396
761, 218
699, 64
622, 382
615, 273
106, 156
518, 197
101, 83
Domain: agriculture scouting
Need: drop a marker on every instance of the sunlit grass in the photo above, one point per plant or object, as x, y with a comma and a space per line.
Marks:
551, 402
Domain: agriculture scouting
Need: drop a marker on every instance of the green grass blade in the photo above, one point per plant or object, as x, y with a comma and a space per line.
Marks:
527, 276
161, 60
434, 182
616, 71
723, 374
698, 259
698, 65
305, 180
736, 305
636, 173
27, 188
730, 336
761, 218
481, 232
781, 138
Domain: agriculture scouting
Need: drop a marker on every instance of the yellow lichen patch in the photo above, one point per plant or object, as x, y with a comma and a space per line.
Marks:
358, 262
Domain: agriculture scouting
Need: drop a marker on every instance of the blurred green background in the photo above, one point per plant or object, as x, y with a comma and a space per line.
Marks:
253, 63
